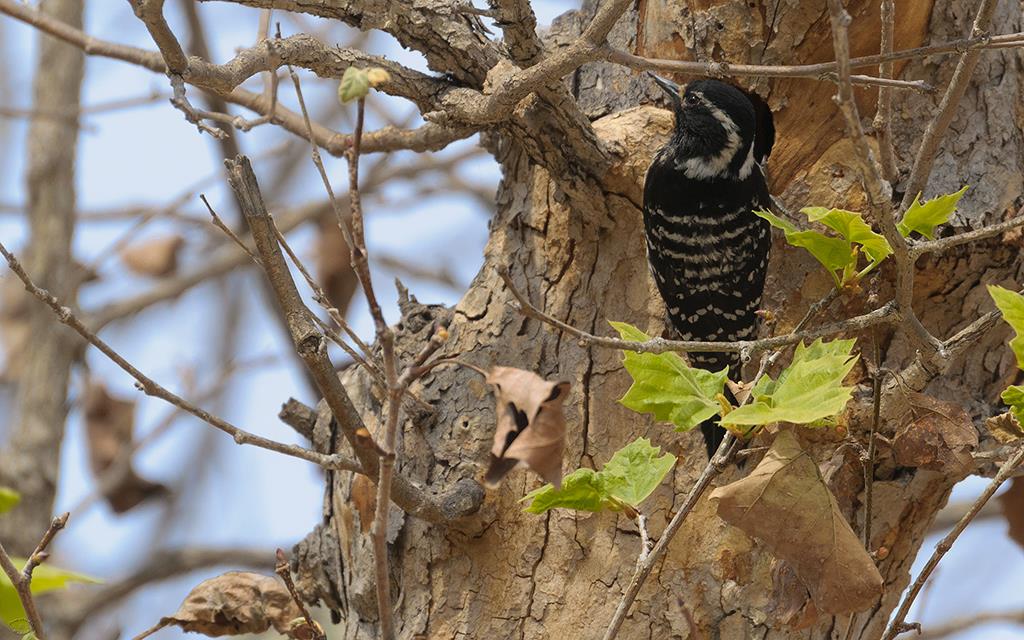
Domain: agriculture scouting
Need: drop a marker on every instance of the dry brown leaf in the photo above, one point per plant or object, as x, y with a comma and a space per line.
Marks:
364, 498
1005, 428
234, 603
935, 435
334, 266
530, 426
1012, 502
14, 326
157, 257
109, 423
785, 504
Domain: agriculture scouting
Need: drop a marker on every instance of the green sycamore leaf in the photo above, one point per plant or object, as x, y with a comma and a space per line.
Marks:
355, 84
45, 578
1013, 396
851, 227
667, 387
808, 391
924, 217
9, 498
627, 479
1011, 304
582, 490
837, 254
635, 471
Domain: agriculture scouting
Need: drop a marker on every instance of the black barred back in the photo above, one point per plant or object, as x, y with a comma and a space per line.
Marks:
708, 251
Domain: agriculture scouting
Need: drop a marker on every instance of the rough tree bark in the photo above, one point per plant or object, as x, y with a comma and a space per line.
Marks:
29, 461
503, 573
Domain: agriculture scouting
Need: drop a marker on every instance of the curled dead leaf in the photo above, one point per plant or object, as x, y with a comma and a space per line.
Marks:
1012, 503
530, 425
109, 423
935, 435
785, 504
234, 603
333, 266
1005, 428
156, 257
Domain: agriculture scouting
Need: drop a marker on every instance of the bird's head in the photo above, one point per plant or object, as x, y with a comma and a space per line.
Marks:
720, 131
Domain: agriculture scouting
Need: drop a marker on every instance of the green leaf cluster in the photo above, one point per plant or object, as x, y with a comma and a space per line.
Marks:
667, 387
808, 391
624, 482
1011, 305
850, 237
840, 251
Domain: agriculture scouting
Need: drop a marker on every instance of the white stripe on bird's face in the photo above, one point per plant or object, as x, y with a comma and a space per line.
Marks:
717, 165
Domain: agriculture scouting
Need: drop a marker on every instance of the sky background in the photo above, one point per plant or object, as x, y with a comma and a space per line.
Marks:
151, 155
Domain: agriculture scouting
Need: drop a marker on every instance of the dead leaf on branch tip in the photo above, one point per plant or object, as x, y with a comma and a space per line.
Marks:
109, 424
157, 257
237, 602
1012, 503
530, 425
1005, 428
785, 504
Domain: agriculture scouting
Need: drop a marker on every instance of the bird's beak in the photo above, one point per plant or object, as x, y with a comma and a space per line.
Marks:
669, 87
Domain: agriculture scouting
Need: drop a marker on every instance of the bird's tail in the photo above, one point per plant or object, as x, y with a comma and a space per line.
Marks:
713, 433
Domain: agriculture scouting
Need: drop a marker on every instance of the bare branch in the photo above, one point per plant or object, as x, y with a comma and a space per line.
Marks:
883, 113
898, 626
151, 388
942, 244
817, 70
885, 314
462, 499
22, 580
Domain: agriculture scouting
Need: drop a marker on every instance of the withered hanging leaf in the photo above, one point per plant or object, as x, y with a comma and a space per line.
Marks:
234, 603
14, 327
785, 504
1012, 502
530, 425
1005, 428
333, 266
935, 435
109, 423
157, 257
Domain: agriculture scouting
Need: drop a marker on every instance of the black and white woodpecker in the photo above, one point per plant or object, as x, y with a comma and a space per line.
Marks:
708, 252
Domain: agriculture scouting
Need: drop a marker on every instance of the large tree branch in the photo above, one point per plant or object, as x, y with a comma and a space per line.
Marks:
311, 347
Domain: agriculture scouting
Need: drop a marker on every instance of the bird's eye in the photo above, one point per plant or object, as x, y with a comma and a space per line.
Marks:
692, 99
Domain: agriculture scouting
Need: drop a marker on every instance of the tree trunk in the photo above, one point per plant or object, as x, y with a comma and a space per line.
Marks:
30, 459
503, 573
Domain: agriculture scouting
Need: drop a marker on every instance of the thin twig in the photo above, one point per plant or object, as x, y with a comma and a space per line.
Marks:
869, 461
816, 71
152, 388
935, 246
219, 223
886, 314
282, 569
883, 113
898, 626
22, 580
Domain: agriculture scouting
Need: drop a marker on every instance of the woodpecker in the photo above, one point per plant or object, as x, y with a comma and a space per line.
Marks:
707, 250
